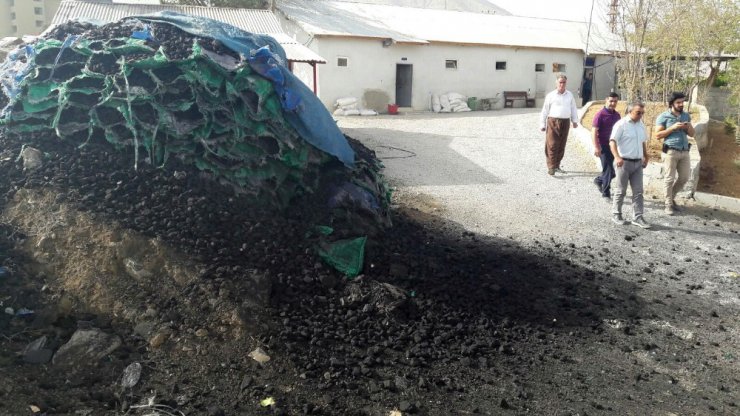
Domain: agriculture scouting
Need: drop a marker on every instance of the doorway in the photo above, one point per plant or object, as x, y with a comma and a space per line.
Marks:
404, 76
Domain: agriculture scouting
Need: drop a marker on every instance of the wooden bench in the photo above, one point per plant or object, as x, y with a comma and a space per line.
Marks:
510, 96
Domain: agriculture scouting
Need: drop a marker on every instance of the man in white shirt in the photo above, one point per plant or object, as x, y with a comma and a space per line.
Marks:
558, 112
628, 144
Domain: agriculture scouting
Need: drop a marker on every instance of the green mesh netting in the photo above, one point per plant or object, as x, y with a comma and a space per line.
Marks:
225, 121
346, 256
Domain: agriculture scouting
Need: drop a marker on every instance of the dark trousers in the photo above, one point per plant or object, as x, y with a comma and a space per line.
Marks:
607, 170
586, 97
556, 137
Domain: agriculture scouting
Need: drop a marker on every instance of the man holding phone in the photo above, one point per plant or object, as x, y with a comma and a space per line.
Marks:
674, 126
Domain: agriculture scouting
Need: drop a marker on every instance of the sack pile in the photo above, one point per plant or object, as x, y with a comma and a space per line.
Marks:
451, 102
349, 106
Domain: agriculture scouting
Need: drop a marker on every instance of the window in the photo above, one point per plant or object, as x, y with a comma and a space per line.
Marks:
451, 63
12, 15
342, 61
39, 23
539, 67
14, 29
38, 10
500, 65
558, 67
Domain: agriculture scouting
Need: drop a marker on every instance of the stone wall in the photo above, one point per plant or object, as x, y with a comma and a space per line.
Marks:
716, 99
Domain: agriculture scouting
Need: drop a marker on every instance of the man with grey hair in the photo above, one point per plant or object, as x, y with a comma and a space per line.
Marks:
558, 112
628, 144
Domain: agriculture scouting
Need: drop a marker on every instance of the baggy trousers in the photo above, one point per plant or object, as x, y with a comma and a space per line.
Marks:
607, 170
556, 137
677, 166
630, 172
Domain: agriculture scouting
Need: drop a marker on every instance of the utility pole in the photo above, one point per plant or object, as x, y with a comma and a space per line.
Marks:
613, 12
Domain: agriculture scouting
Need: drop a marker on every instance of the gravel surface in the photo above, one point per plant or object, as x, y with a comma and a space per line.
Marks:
486, 171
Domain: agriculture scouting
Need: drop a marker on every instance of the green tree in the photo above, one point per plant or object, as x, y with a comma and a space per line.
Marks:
668, 44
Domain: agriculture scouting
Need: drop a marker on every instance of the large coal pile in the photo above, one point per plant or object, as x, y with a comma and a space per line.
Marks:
150, 88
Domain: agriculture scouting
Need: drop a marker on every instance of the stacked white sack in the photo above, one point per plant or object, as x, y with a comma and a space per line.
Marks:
450, 102
346, 106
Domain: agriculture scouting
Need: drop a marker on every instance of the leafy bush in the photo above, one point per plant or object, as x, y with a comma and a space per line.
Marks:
730, 125
722, 80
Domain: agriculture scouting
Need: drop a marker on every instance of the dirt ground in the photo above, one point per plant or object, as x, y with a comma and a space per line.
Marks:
187, 280
720, 163
720, 171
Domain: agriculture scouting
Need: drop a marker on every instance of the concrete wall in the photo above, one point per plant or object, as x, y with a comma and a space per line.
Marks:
717, 101
605, 79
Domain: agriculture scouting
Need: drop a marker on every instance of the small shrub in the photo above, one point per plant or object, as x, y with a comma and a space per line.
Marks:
730, 125
722, 80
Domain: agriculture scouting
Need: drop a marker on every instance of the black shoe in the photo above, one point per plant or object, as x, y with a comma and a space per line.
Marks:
597, 183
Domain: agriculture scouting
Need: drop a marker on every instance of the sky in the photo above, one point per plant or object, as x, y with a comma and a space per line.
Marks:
567, 9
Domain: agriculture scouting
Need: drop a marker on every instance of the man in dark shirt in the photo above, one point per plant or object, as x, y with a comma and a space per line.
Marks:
587, 87
603, 123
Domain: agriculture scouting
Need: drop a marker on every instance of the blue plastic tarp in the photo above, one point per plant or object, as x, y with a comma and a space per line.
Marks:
303, 110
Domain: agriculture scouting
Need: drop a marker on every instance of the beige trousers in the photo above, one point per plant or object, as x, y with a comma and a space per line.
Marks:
677, 166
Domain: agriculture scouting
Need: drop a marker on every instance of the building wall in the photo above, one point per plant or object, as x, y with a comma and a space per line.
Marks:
26, 17
605, 78
371, 67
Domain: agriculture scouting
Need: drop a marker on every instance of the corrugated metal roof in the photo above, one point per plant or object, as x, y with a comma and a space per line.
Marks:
262, 22
295, 51
415, 25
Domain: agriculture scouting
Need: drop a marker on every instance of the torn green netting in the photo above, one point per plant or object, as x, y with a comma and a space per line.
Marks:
347, 256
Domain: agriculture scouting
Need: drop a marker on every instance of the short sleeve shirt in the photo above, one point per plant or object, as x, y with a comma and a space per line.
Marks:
677, 139
604, 121
629, 136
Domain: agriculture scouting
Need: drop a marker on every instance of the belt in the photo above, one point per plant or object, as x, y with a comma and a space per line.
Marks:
676, 148
632, 160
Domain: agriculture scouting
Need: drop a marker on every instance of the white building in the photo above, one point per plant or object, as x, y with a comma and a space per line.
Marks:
390, 54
